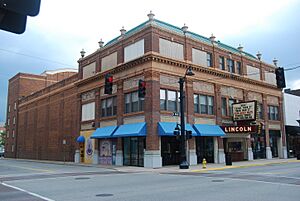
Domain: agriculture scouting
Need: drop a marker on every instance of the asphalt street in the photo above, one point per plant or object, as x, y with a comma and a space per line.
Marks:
22, 180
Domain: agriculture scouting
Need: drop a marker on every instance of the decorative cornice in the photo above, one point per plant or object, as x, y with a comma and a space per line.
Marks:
155, 57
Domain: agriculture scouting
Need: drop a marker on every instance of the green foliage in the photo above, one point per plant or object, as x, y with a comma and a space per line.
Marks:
2, 138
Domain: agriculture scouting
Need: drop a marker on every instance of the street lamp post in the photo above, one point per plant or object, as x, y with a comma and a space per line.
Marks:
183, 160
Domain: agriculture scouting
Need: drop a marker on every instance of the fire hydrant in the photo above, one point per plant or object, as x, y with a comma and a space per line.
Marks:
204, 163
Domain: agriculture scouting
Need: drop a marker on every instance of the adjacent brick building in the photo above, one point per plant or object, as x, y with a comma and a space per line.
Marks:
123, 129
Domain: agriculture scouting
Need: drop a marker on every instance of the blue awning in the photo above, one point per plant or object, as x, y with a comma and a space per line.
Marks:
104, 132
80, 139
131, 130
208, 130
167, 128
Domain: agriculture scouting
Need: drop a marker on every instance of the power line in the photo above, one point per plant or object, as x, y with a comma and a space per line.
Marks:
35, 57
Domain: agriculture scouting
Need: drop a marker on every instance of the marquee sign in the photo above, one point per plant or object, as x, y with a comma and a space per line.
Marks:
245, 111
240, 129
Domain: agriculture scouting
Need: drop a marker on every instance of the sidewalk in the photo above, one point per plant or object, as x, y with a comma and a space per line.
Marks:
174, 168
209, 166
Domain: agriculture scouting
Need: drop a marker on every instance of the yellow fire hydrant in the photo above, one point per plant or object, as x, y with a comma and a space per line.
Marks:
204, 163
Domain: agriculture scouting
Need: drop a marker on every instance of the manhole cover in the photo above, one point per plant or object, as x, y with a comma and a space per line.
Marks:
104, 195
217, 180
81, 178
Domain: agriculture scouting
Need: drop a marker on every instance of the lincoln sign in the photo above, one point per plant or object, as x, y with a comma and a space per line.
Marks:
240, 129
245, 111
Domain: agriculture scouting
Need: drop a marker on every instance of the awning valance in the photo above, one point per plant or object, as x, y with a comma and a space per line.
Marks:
131, 130
104, 132
208, 130
167, 128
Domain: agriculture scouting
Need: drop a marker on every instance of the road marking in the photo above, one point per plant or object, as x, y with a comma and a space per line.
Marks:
28, 168
28, 192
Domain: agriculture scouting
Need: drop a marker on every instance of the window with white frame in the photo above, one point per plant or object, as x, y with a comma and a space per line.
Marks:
209, 59
199, 57
14, 120
169, 100
15, 106
13, 133
7, 134
133, 103
203, 104
273, 112
224, 106
88, 111
134, 50
8, 122
8, 108
109, 107
109, 62
170, 49
221, 63
239, 67
230, 66
230, 102
260, 111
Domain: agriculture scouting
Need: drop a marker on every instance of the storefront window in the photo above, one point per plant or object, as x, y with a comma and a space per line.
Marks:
133, 151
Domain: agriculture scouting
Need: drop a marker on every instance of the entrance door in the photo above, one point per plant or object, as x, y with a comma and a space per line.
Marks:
170, 151
205, 149
274, 147
134, 151
258, 147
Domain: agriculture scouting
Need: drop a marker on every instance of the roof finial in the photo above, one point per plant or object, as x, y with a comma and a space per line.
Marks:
275, 61
258, 55
212, 38
240, 48
184, 28
82, 52
100, 43
151, 16
123, 31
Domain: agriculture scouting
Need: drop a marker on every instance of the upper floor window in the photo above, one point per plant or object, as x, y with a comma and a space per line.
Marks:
260, 111
230, 102
134, 50
133, 103
7, 134
15, 106
109, 61
109, 107
89, 70
13, 133
253, 73
8, 108
221, 63
203, 104
14, 120
230, 66
170, 49
169, 100
88, 111
273, 113
224, 106
239, 67
8, 122
209, 59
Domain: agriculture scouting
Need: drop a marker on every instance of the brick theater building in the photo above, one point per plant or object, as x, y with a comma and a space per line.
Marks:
74, 117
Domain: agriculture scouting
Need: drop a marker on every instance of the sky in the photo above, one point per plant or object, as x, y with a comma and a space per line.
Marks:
54, 38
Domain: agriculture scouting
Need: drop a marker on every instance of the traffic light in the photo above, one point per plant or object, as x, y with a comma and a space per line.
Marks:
13, 14
189, 135
142, 89
280, 80
108, 84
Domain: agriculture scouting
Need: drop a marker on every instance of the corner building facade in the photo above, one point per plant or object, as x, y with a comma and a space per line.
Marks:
123, 129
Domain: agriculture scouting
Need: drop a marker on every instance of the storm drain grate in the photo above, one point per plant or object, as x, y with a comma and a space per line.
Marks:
104, 195
82, 178
217, 180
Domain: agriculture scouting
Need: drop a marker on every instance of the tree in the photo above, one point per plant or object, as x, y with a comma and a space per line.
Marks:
2, 138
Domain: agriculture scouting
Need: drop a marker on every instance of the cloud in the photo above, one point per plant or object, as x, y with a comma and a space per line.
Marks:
295, 84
